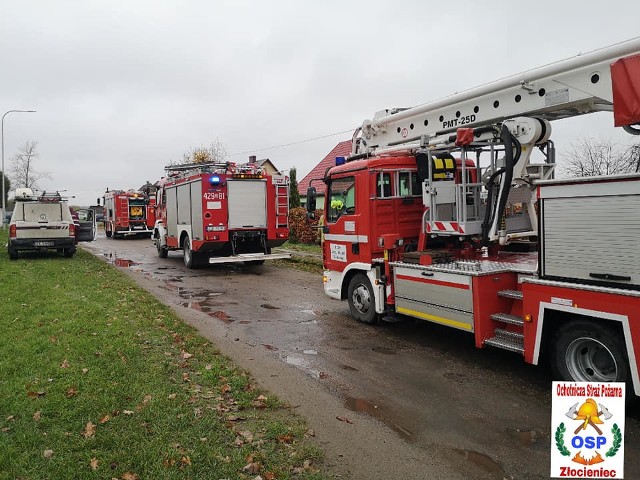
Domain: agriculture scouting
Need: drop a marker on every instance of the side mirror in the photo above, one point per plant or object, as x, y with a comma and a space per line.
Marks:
311, 199
97, 201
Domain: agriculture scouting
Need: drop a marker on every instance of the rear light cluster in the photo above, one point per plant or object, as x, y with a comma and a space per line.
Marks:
72, 230
13, 231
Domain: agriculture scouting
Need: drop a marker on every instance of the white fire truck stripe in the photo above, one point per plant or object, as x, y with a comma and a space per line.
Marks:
347, 238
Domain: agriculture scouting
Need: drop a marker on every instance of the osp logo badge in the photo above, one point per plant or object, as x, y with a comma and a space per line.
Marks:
590, 443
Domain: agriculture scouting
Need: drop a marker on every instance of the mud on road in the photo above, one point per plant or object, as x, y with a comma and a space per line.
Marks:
409, 400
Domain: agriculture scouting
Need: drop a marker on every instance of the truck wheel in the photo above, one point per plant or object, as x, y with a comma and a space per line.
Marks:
107, 233
361, 300
585, 351
13, 253
68, 252
163, 252
187, 254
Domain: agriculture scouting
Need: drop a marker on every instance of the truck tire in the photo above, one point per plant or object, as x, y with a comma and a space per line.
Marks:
107, 230
13, 253
68, 252
361, 299
163, 252
188, 254
586, 351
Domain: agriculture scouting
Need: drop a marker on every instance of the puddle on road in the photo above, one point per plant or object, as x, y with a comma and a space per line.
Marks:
268, 306
303, 364
209, 309
120, 262
365, 406
483, 461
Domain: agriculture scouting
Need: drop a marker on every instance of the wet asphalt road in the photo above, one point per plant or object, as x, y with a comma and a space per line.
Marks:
466, 413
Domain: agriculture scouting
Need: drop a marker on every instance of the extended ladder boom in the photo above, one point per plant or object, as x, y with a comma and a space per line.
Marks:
575, 86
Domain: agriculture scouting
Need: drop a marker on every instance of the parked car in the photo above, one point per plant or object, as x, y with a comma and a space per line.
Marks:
41, 222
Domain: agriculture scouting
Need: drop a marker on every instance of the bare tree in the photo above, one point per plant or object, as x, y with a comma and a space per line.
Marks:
216, 152
23, 173
590, 158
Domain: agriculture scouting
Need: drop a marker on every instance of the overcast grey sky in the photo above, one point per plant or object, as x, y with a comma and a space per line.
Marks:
124, 87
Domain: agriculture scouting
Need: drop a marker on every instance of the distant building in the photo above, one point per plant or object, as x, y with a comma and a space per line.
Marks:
342, 149
265, 163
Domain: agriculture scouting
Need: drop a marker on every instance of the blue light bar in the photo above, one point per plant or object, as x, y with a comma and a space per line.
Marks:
341, 160
215, 179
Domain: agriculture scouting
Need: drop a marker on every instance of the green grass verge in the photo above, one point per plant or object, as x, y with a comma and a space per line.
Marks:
99, 380
303, 257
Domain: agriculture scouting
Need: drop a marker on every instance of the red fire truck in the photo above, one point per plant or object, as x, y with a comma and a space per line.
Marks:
128, 213
221, 212
443, 213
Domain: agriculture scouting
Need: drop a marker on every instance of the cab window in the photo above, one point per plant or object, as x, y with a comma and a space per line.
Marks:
383, 185
341, 198
409, 185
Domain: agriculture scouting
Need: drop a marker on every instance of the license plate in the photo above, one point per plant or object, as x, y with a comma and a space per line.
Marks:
43, 244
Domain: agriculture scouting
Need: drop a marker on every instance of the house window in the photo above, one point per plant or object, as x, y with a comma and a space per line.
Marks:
341, 198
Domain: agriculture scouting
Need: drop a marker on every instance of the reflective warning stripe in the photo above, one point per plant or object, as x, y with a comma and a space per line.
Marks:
445, 227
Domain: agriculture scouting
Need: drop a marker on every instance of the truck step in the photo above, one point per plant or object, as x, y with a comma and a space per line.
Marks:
515, 294
514, 342
507, 318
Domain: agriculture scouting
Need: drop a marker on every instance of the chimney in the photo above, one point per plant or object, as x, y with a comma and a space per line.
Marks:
252, 159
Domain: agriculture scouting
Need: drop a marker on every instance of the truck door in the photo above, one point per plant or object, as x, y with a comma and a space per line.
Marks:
342, 241
86, 225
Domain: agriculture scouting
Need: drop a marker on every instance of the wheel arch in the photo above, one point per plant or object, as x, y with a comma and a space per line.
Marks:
552, 316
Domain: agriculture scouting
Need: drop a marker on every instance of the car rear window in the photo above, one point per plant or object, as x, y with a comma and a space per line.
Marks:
39, 212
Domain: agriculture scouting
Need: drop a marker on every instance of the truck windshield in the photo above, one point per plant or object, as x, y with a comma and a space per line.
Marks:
341, 198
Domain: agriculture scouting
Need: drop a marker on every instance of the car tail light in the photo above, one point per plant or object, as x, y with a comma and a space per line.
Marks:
72, 230
13, 231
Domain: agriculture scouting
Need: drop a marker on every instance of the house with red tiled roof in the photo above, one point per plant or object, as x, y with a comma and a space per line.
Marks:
342, 149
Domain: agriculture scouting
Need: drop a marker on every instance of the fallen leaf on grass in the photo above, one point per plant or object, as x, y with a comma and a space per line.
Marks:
288, 438
72, 392
225, 388
172, 396
36, 394
252, 468
94, 464
185, 460
185, 355
260, 402
64, 364
344, 419
104, 419
37, 415
48, 454
269, 476
311, 433
85, 370
129, 476
89, 430
128, 412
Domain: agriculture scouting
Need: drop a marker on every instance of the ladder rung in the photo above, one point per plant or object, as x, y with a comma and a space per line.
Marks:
515, 294
507, 318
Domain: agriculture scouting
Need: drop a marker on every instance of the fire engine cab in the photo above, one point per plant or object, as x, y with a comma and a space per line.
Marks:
221, 212
129, 213
449, 212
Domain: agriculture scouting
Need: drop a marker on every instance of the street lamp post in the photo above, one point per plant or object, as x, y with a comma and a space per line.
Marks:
3, 174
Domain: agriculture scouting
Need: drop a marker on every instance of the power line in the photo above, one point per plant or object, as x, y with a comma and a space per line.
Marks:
292, 143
